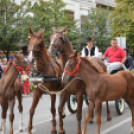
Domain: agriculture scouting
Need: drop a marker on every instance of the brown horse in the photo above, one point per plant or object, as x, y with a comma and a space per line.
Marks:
37, 55
101, 86
60, 44
11, 87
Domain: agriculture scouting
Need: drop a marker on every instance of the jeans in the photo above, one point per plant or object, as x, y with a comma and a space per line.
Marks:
114, 66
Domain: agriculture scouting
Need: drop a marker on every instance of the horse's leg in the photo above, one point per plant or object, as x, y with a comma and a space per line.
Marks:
108, 112
87, 115
91, 115
4, 106
63, 98
20, 111
36, 97
53, 112
98, 105
79, 110
11, 116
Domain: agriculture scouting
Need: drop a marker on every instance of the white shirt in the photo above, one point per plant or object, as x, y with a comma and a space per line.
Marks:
96, 52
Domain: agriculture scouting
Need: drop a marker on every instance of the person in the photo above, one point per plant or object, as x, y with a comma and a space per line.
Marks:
4, 66
116, 55
90, 50
129, 60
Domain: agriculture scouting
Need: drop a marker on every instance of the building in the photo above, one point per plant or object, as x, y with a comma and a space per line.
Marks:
78, 8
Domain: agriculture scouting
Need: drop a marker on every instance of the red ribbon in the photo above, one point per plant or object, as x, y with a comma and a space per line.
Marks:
20, 69
76, 70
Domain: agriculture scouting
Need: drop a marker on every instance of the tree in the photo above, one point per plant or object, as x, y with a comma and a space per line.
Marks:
49, 14
97, 19
123, 21
13, 25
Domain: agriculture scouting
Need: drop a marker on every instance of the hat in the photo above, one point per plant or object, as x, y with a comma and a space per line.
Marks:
89, 39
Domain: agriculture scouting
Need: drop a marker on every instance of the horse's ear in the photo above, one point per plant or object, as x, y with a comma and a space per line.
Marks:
55, 29
76, 54
64, 29
30, 30
42, 33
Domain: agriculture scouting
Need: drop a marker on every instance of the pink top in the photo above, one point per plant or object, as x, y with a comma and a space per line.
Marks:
115, 55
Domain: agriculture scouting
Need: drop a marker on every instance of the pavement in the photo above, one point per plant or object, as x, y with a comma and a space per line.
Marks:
42, 119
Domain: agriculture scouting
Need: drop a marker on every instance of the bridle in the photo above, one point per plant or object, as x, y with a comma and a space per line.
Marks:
38, 53
20, 69
75, 72
59, 50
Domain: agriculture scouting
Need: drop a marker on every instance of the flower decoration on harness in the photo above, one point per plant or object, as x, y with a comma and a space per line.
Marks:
75, 72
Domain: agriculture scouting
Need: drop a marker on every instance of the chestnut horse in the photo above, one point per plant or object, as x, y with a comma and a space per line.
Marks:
11, 87
37, 55
101, 86
60, 45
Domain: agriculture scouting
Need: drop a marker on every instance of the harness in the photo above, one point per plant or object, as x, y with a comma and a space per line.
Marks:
38, 53
63, 38
20, 69
74, 73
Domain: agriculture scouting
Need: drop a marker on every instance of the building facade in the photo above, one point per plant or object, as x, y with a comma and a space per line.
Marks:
81, 7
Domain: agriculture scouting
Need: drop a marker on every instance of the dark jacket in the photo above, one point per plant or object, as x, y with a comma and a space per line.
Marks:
1, 71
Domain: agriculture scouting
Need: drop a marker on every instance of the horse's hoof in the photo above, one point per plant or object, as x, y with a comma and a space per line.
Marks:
54, 132
90, 122
62, 133
109, 119
63, 116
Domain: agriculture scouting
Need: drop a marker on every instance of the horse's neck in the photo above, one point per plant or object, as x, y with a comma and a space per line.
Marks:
69, 50
88, 73
43, 58
11, 75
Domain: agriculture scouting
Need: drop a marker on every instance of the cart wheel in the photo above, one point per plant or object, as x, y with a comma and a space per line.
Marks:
120, 106
86, 99
72, 104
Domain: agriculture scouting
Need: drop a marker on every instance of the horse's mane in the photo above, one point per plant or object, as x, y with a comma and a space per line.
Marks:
86, 61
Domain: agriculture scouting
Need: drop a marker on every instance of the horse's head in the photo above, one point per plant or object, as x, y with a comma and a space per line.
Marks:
57, 42
71, 67
35, 44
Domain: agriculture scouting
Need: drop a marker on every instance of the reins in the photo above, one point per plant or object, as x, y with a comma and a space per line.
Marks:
75, 72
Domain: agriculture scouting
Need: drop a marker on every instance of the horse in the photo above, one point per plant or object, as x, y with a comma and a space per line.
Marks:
11, 87
46, 66
101, 86
60, 45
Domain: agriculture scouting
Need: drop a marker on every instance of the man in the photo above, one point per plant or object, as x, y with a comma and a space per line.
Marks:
116, 55
90, 50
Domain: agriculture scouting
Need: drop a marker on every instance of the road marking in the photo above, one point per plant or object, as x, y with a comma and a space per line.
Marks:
25, 131
116, 126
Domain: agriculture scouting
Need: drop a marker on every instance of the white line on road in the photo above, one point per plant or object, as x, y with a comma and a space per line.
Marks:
115, 126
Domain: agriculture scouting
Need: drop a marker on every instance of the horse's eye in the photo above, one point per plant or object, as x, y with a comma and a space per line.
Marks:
70, 65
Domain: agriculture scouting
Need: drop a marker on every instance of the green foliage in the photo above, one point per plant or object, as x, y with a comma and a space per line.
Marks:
98, 19
49, 14
13, 24
123, 21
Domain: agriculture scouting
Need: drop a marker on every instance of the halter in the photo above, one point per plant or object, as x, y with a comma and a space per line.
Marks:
20, 69
76, 70
64, 40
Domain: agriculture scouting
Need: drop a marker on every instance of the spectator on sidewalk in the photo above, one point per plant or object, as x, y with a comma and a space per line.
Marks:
4, 66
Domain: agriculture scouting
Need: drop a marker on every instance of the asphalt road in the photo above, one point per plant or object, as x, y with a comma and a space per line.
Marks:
42, 119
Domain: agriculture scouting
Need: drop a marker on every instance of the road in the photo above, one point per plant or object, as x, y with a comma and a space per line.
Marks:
42, 119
